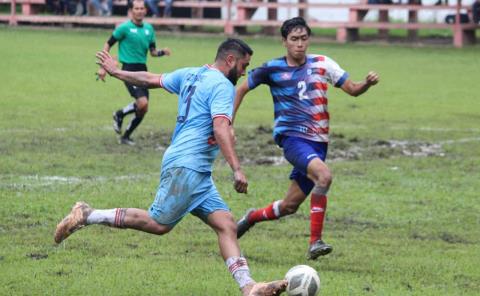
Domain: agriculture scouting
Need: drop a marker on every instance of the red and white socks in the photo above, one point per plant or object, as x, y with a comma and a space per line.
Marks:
270, 212
238, 267
110, 217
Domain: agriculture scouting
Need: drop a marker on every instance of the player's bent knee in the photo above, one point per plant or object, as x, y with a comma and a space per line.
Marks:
159, 229
142, 106
324, 180
228, 226
141, 111
320, 190
289, 208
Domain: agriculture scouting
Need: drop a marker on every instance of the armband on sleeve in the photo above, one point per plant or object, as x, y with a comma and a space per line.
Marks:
111, 41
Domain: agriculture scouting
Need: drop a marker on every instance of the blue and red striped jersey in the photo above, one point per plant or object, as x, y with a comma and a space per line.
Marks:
300, 94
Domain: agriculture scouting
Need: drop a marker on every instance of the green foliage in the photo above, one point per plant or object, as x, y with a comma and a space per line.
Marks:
399, 224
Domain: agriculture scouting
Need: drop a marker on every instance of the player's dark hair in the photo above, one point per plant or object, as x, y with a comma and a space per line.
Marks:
289, 25
233, 46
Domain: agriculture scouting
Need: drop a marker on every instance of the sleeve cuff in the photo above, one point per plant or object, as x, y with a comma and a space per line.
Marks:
162, 85
342, 80
224, 116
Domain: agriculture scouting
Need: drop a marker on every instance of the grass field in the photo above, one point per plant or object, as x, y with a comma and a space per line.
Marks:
404, 217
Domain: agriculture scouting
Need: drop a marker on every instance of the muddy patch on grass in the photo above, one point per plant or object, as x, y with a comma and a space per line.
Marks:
353, 223
444, 236
62, 273
132, 246
37, 256
255, 146
452, 238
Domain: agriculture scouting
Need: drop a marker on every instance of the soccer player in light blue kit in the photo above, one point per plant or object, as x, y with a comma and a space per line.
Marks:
205, 106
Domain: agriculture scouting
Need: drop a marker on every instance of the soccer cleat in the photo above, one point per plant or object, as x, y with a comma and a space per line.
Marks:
243, 225
318, 248
117, 123
73, 221
266, 289
127, 141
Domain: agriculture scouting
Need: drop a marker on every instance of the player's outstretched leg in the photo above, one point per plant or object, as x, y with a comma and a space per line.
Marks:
82, 215
265, 289
73, 221
270, 212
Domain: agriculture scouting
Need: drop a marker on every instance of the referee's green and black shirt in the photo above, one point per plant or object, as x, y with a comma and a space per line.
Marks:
135, 42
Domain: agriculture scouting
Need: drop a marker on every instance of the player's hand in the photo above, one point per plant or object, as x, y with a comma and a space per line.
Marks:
101, 73
167, 51
107, 62
240, 182
372, 78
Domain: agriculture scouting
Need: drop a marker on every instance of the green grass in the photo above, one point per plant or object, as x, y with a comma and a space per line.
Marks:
400, 225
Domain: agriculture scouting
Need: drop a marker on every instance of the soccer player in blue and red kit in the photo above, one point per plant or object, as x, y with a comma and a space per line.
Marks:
298, 83
205, 107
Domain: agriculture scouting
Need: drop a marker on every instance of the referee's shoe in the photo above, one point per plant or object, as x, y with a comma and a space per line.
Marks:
117, 123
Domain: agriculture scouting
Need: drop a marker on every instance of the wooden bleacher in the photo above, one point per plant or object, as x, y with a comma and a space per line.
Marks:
346, 30
28, 6
463, 33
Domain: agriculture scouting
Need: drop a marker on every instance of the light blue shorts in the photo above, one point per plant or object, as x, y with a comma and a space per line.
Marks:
182, 191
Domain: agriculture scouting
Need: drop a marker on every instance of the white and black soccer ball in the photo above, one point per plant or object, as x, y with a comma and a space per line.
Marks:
302, 281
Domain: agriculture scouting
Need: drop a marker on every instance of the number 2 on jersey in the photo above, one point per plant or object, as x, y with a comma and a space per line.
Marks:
302, 85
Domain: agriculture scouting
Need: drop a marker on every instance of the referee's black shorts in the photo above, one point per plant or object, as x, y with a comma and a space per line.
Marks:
135, 91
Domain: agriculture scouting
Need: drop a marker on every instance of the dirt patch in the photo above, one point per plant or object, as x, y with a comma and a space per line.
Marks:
452, 239
62, 273
444, 236
368, 288
37, 256
33, 225
352, 223
255, 146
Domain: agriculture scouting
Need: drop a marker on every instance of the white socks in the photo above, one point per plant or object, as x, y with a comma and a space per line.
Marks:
239, 269
102, 217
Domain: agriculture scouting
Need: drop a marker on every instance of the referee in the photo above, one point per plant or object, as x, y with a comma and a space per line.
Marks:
135, 38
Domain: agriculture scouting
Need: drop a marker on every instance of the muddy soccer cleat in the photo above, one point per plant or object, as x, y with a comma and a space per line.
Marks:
73, 221
126, 141
318, 248
267, 289
243, 225
117, 123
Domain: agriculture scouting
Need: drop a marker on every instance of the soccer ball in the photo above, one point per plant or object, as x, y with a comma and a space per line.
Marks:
302, 281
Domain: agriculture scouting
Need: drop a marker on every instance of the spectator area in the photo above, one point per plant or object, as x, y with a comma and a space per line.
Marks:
238, 17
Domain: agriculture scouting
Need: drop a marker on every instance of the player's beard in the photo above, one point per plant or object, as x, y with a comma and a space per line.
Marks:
233, 75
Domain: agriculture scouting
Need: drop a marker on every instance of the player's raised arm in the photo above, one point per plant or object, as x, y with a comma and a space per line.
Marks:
224, 138
357, 88
142, 79
241, 91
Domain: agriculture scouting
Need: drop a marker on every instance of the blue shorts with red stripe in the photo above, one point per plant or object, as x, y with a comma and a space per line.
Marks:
299, 152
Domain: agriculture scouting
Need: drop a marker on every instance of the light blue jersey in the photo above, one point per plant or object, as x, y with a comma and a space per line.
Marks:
203, 94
